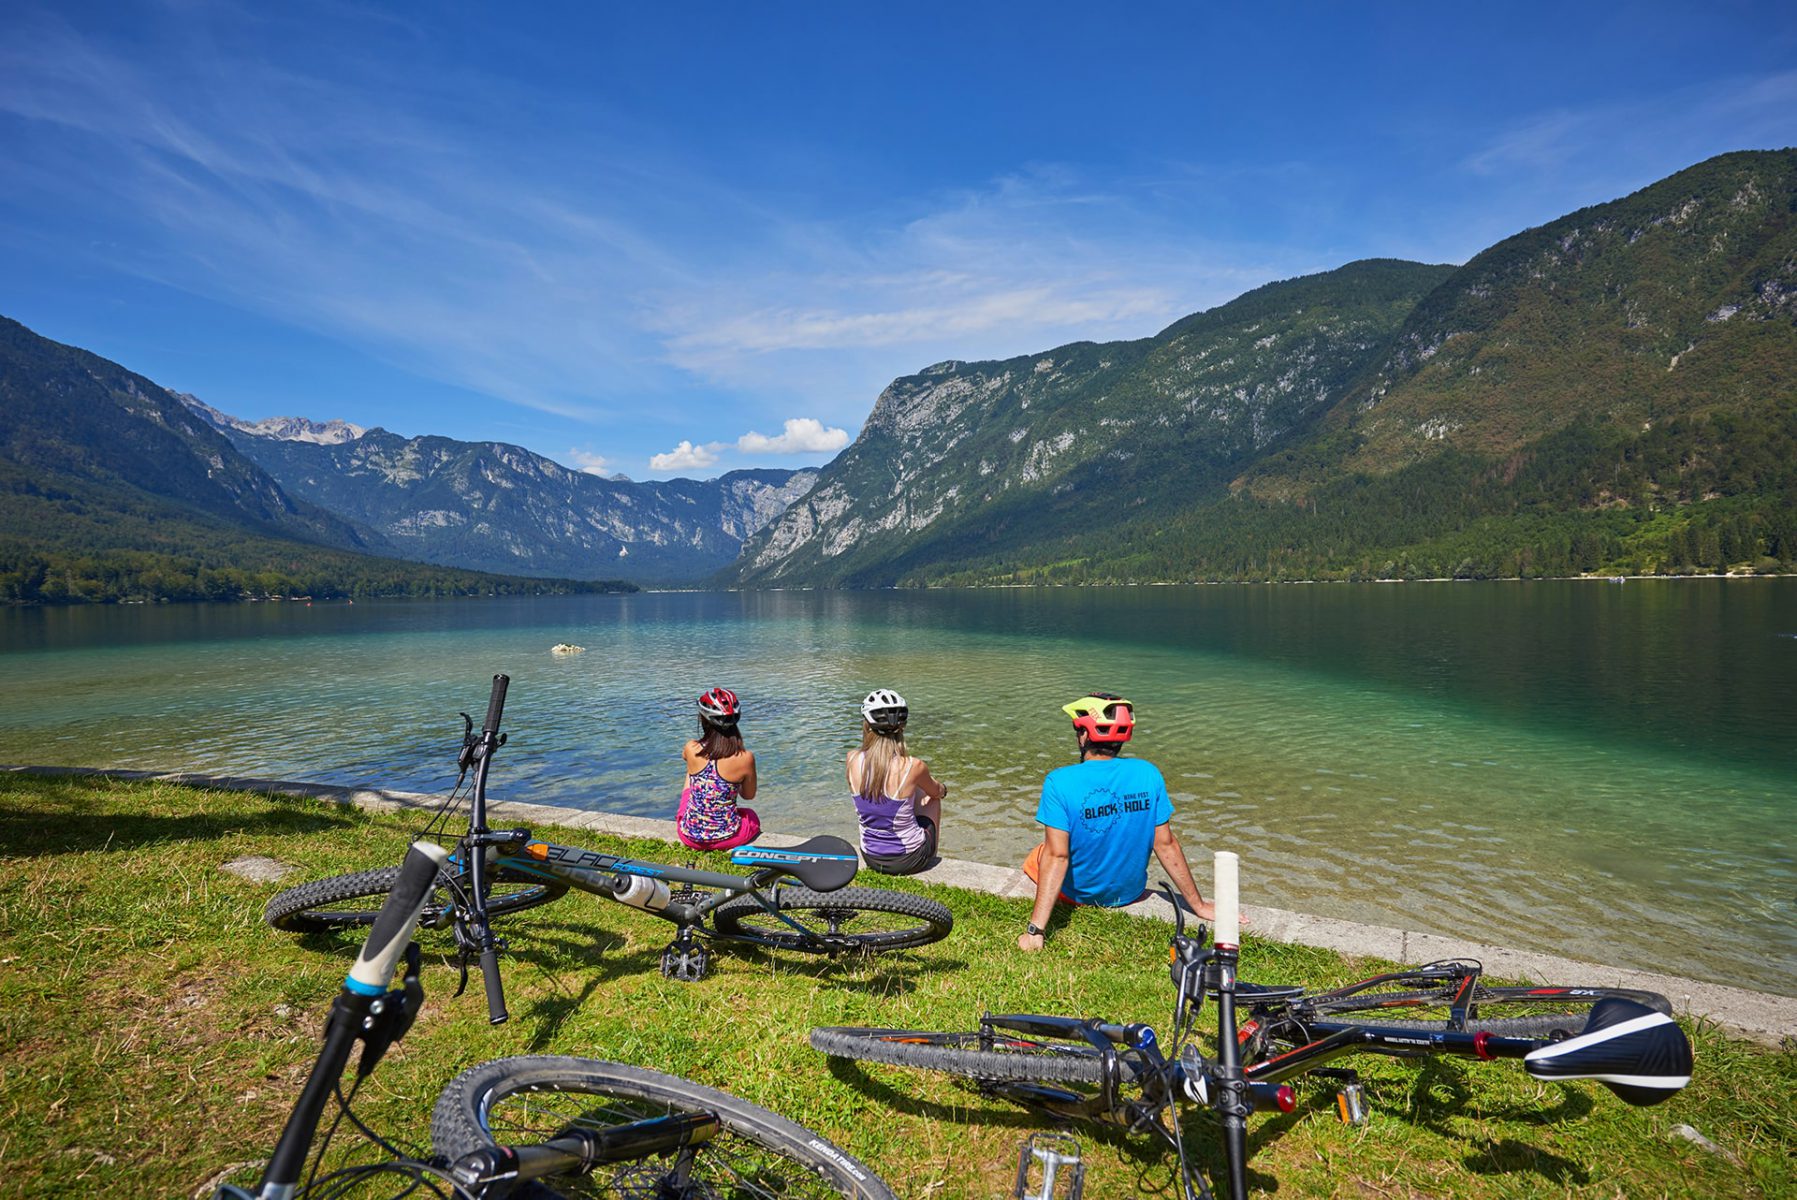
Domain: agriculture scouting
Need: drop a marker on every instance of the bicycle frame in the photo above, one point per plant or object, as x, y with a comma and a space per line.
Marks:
607, 876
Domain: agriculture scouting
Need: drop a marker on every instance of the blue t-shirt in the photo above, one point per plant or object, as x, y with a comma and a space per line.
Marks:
1109, 808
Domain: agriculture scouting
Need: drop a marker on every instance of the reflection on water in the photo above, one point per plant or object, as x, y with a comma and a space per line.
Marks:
1604, 772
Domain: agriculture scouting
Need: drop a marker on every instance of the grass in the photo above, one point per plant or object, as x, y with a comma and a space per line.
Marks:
153, 1030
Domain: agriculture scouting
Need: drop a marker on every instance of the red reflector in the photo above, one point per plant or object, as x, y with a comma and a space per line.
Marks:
1285, 1099
1245, 1031
1482, 1045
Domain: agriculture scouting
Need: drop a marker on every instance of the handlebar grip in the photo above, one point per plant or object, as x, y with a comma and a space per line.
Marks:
489, 967
495, 704
1226, 901
373, 972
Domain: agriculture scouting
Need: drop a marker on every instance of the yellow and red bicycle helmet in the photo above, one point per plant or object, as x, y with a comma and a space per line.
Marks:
1106, 720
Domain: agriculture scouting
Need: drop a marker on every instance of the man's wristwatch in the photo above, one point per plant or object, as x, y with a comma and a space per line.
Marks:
1031, 927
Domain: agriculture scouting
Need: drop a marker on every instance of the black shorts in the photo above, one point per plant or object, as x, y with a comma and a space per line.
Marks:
912, 861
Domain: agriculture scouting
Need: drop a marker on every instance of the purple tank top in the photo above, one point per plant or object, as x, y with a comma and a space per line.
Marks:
889, 827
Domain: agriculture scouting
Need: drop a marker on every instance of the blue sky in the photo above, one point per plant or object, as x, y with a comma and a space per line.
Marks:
682, 239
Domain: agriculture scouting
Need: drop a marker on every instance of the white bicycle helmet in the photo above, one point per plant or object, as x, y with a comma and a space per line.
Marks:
885, 710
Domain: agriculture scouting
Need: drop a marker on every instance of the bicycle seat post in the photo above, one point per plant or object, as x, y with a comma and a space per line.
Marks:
1232, 1089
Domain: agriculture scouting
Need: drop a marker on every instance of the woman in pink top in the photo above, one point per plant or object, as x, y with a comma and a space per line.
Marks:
718, 772
898, 802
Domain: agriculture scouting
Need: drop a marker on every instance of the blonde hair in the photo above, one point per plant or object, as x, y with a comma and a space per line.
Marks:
878, 752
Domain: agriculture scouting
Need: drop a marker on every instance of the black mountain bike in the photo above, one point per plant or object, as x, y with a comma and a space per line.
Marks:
496, 872
537, 1127
1072, 1068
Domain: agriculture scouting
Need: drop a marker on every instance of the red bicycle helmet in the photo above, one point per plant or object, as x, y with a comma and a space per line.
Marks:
1105, 719
719, 704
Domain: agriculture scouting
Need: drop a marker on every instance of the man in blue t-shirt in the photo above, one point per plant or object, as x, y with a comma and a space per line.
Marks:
1101, 818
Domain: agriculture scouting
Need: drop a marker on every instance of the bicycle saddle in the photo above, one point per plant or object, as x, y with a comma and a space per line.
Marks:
822, 864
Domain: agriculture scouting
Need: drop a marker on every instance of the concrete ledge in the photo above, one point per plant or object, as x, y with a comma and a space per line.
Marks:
1759, 1016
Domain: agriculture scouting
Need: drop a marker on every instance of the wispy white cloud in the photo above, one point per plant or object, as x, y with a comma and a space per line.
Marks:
684, 457
1676, 127
592, 464
803, 435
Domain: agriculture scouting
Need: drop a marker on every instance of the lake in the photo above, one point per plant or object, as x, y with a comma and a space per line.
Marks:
1603, 771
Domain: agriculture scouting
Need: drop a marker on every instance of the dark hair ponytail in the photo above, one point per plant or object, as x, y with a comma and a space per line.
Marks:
719, 739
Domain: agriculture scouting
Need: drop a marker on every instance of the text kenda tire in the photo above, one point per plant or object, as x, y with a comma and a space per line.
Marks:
851, 918
347, 901
1000, 1057
530, 1099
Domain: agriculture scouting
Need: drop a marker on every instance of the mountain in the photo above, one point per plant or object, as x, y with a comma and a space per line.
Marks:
496, 507
286, 429
72, 418
1678, 299
975, 460
112, 488
1615, 391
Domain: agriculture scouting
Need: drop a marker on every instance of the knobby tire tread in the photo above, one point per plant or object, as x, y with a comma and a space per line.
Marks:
935, 920
960, 1054
327, 904
460, 1120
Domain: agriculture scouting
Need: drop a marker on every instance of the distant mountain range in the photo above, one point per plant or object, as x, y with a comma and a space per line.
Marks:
494, 507
1615, 391
112, 487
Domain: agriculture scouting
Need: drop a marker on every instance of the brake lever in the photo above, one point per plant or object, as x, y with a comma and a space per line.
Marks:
1179, 914
466, 758
391, 1015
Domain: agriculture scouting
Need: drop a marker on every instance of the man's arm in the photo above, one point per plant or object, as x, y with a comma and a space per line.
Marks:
1173, 862
1051, 872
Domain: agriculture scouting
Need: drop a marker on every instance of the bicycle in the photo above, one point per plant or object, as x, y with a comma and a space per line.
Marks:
498, 872
1622, 1038
534, 1126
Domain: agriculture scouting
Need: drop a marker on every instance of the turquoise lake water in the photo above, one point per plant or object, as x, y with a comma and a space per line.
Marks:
1603, 771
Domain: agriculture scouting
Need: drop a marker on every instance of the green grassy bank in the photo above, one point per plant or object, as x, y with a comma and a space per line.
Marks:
153, 1030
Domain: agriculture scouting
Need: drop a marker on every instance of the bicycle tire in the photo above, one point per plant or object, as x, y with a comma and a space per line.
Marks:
999, 1058
353, 900
533, 1097
826, 917
1534, 1012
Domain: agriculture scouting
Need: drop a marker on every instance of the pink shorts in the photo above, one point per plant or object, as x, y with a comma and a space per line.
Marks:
748, 831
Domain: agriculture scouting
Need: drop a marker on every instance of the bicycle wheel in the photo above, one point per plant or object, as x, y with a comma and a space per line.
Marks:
999, 1057
346, 901
1534, 1012
757, 1153
851, 918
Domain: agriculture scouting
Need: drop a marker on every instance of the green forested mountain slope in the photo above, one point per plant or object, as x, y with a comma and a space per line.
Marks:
1678, 299
1615, 391
971, 460
112, 489
67, 416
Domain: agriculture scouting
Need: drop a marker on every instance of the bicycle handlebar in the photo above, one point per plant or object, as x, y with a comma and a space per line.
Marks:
495, 704
373, 972
363, 988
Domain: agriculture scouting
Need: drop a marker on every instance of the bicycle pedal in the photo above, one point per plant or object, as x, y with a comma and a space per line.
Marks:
687, 895
1350, 1105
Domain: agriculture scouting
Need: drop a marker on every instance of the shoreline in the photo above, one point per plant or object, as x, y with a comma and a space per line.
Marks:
1763, 1017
